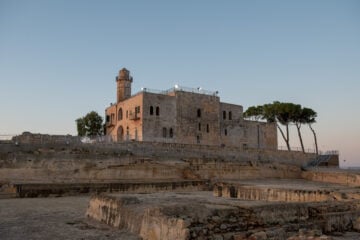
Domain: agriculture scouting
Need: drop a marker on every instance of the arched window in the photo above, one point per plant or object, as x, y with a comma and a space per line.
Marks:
199, 113
127, 133
207, 128
164, 132
120, 114
157, 111
224, 114
230, 115
225, 132
151, 110
171, 133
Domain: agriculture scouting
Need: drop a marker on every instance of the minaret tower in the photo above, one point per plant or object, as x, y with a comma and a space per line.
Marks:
123, 81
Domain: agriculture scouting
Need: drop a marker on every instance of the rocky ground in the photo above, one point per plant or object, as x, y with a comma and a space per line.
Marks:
52, 218
64, 218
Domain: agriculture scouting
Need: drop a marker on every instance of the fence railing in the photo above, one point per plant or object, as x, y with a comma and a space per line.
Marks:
181, 88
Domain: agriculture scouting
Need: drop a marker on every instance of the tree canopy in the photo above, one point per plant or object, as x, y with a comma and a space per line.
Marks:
90, 125
284, 113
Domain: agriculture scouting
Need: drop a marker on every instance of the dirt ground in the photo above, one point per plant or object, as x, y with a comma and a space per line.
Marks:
52, 218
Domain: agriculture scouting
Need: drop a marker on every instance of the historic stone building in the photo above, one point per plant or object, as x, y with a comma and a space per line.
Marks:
182, 115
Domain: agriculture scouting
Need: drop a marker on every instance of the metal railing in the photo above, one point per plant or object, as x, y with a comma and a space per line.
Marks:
297, 149
180, 88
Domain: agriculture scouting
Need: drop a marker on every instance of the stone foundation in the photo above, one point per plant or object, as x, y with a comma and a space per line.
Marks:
285, 190
335, 175
201, 216
68, 189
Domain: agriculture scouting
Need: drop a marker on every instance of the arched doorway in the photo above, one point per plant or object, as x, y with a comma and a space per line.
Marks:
120, 134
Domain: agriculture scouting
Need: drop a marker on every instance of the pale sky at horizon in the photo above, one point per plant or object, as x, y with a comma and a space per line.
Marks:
59, 59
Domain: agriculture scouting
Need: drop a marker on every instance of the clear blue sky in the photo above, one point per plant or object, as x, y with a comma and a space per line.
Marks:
58, 59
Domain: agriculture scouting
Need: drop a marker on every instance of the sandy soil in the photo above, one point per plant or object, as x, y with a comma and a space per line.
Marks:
52, 218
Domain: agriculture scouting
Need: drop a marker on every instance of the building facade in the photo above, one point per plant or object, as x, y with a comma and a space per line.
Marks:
182, 115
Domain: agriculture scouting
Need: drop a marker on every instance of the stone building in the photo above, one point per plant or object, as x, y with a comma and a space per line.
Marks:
182, 115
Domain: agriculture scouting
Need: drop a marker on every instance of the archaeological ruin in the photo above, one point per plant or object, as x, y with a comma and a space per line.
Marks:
180, 165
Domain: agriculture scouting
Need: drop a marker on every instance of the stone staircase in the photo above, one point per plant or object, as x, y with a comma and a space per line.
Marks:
320, 160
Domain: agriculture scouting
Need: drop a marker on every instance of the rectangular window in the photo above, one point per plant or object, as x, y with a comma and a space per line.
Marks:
137, 109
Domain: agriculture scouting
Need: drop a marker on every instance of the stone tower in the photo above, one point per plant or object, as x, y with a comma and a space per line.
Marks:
123, 81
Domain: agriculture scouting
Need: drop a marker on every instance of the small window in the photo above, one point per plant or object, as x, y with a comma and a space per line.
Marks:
151, 110
157, 111
112, 117
127, 114
120, 114
127, 133
198, 139
107, 118
224, 114
230, 115
137, 109
171, 133
207, 128
199, 127
164, 132
225, 132
199, 113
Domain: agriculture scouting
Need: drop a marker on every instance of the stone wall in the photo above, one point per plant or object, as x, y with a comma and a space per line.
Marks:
37, 138
124, 123
141, 160
335, 176
161, 149
156, 123
193, 127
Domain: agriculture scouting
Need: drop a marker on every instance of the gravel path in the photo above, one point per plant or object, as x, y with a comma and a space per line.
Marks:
52, 218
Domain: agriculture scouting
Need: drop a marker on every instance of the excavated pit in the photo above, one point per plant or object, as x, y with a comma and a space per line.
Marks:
204, 215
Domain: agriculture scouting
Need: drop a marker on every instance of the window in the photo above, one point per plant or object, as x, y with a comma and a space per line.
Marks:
199, 127
151, 110
107, 118
127, 133
199, 113
127, 114
137, 110
164, 132
198, 139
230, 115
224, 114
112, 117
207, 128
120, 114
171, 133
225, 132
157, 111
